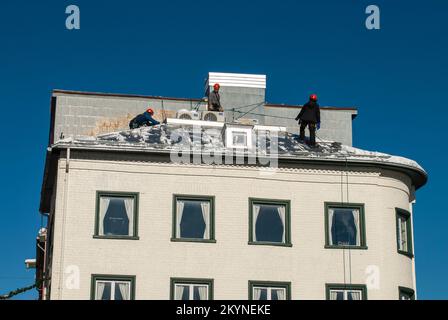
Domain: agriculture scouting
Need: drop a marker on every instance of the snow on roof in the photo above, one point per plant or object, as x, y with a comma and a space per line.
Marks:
197, 139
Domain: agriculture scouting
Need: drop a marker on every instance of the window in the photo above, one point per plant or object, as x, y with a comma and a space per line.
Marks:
406, 293
345, 227
268, 290
191, 289
112, 287
346, 292
269, 222
238, 136
239, 139
193, 218
404, 232
116, 215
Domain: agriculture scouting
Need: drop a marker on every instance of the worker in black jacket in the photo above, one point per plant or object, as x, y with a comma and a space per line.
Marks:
214, 99
309, 116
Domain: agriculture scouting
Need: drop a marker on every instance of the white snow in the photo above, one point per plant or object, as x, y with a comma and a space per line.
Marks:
180, 136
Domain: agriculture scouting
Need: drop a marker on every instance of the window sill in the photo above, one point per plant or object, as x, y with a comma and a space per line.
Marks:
193, 240
116, 237
347, 247
405, 253
276, 244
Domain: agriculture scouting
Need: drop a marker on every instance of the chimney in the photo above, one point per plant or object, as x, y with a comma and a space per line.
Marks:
240, 93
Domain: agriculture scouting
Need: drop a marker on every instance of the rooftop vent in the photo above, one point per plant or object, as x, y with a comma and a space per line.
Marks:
239, 80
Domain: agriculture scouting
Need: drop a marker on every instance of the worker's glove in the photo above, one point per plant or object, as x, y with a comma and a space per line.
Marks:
300, 121
318, 126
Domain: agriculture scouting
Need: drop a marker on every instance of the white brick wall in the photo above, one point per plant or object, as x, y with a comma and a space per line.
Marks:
231, 262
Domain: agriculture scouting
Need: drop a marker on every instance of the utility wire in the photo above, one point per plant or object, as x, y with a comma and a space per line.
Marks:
243, 114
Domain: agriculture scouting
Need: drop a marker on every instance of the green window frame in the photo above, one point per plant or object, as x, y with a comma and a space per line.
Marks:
287, 227
108, 277
211, 200
269, 284
338, 286
403, 214
115, 194
362, 225
191, 281
406, 292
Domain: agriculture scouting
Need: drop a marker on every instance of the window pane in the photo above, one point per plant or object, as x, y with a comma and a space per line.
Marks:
103, 290
354, 295
348, 294
405, 296
260, 293
195, 220
200, 293
345, 227
191, 291
118, 295
115, 215
186, 292
239, 139
122, 291
278, 294
182, 292
336, 295
269, 223
403, 234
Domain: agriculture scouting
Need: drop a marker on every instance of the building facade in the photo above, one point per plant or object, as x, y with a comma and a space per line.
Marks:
127, 221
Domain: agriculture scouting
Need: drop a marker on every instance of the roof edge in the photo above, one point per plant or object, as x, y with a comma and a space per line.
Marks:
58, 92
418, 176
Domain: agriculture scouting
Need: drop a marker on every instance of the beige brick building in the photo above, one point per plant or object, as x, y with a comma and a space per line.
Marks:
128, 221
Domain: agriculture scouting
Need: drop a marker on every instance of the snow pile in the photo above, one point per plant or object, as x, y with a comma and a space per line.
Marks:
169, 137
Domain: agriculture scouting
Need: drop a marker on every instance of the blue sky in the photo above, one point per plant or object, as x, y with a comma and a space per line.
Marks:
396, 76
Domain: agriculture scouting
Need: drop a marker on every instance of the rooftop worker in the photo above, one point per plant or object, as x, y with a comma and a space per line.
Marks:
144, 119
309, 116
214, 100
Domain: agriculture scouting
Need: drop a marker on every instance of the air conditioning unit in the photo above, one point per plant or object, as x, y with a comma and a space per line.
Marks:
188, 115
213, 116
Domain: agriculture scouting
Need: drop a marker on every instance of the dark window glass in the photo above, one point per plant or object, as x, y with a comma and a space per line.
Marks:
343, 228
196, 295
404, 295
116, 221
118, 295
269, 226
192, 224
107, 291
264, 294
186, 293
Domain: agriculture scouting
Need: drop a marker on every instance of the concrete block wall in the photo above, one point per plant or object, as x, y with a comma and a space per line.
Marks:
336, 125
81, 115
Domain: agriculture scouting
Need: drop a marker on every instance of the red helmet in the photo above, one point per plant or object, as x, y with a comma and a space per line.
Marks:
313, 97
150, 111
216, 86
